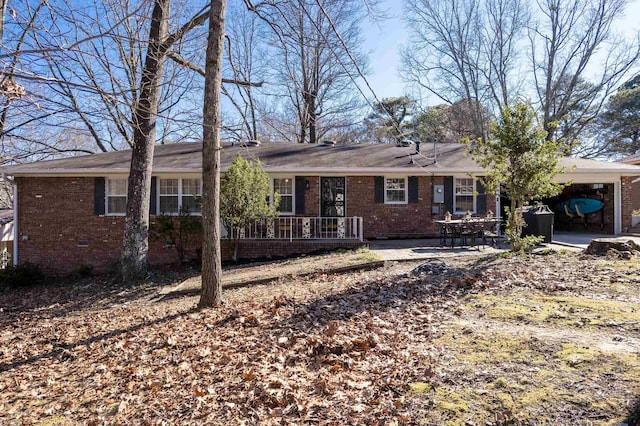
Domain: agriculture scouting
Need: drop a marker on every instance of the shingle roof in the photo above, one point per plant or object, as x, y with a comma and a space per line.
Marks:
295, 158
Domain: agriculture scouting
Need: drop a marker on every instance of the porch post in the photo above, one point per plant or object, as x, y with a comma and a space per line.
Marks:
617, 206
15, 224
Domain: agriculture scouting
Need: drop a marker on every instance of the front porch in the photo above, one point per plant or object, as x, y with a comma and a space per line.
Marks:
303, 228
294, 235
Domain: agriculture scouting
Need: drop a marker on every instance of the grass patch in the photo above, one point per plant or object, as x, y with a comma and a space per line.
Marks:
519, 380
557, 310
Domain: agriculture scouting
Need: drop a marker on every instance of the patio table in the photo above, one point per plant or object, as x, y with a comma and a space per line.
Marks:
467, 230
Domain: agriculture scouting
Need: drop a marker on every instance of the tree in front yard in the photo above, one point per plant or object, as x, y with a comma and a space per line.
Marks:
520, 162
244, 197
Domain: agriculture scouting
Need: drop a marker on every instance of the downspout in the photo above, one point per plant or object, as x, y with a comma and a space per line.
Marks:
15, 224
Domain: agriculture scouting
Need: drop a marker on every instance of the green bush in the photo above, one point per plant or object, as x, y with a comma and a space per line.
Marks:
22, 275
525, 244
181, 232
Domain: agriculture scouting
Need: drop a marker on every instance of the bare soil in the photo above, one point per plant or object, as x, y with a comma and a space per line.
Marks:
474, 340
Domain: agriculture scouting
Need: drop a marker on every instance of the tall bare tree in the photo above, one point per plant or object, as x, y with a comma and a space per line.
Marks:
318, 44
564, 43
19, 105
136, 229
211, 262
465, 51
245, 61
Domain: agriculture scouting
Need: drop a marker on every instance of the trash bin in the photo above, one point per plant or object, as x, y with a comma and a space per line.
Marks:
539, 221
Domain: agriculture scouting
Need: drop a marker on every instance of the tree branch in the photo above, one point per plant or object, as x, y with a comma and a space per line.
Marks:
174, 56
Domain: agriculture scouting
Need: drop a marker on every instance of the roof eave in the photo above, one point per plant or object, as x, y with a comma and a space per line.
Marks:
346, 171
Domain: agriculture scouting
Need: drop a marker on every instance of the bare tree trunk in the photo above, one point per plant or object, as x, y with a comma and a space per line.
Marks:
211, 263
136, 228
3, 11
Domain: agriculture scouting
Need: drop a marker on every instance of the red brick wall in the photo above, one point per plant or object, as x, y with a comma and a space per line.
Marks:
389, 220
59, 231
56, 218
412, 220
629, 192
312, 197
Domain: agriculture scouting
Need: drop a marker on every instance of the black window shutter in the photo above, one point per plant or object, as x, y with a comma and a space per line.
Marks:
379, 189
98, 195
481, 198
413, 189
153, 208
300, 188
448, 194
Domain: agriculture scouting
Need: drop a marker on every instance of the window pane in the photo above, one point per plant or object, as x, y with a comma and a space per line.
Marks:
283, 186
117, 205
395, 195
464, 203
189, 203
118, 187
395, 183
169, 187
396, 190
286, 204
464, 186
168, 204
191, 187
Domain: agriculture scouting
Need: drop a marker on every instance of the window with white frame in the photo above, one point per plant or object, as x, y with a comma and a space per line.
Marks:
179, 193
169, 197
464, 195
284, 187
395, 190
116, 196
191, 193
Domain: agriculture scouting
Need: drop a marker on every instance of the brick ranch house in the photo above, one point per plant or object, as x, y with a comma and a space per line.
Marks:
70, 212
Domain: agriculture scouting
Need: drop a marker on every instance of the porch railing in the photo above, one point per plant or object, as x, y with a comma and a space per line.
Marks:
305, 228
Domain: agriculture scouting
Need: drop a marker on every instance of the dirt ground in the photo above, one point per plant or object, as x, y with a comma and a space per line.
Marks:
474, 340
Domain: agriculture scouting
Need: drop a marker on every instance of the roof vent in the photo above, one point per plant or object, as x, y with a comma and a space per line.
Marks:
252, 142
328, 142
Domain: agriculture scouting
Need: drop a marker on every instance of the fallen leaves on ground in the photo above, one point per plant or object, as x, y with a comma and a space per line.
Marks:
375, 347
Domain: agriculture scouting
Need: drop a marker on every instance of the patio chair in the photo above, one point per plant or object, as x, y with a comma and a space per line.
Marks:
449, 232
469, 231
489, 233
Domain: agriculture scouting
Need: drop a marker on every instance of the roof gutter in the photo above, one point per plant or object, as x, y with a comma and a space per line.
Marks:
343, 171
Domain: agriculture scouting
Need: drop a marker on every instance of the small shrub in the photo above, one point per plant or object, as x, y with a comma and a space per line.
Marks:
180, 232
525, 244
546, 252
22, 275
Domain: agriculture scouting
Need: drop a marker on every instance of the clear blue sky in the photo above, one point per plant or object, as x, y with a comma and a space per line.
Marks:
384, 40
